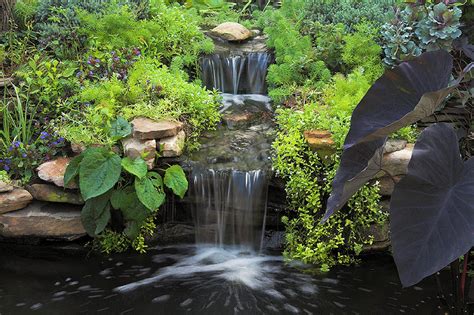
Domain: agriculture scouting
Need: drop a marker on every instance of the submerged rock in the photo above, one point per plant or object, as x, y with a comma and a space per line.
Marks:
53, 171
45, 192
14, 200
231, 31
381, 235
134, 148
43, 220
147, 129
173, 146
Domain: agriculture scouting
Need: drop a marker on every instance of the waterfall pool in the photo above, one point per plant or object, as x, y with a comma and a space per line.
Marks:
201, 279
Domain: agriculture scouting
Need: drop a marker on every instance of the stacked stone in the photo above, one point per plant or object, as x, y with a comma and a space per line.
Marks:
49, 210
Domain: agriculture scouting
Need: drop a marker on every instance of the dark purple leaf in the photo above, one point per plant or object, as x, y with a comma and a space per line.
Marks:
407, 93
432, 208
358, 165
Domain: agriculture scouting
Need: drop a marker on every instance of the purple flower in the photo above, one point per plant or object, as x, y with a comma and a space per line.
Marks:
6, 167
44, 135
24, 155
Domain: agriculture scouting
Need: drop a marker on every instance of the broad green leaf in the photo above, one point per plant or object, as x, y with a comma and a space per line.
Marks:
99, 171
132, 229
95, 214
120, 128
149, 196
123, 198
135, 167
72, 170
175, 179
156, 179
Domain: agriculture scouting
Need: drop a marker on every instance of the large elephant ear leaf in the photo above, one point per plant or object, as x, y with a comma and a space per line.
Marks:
402, 96
432, 207
358, 165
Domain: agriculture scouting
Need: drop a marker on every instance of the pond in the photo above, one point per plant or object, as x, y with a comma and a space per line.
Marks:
190, 279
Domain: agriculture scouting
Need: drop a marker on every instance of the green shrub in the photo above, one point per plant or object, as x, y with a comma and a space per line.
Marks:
110, 183
348, 12
152, 91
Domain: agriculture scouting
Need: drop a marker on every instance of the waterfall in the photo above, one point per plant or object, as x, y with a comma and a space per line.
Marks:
230, 207
239, 74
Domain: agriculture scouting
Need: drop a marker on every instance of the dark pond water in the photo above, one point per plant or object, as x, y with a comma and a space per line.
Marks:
200, 280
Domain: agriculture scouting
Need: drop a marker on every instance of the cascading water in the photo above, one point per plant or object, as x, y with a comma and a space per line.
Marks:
230, 207
236, 74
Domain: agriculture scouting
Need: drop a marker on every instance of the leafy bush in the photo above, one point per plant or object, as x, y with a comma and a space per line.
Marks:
340, 240
152, 91
421, 28
171, 32
348, 12
108, 182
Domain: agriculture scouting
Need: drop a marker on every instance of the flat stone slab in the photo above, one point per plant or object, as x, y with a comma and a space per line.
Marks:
43, 220
147, 129
320, 141
231, 31
14, 200
53, 171
51, 193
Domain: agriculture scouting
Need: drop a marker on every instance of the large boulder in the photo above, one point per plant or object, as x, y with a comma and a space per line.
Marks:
43, 220
51, 193
147, 129
173, 146
394, 145
231, 31
14, 200
134, 148
53, 172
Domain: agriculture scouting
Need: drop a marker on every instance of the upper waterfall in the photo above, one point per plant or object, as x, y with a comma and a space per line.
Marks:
236, 74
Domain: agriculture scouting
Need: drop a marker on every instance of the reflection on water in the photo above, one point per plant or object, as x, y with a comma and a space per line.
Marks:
201, 280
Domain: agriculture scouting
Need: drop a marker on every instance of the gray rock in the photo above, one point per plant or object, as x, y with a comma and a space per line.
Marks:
43, 220
173, 146
394, 145
134, 148
381, 234
387, 184
14, 200
147, 129
45, 192
396, 163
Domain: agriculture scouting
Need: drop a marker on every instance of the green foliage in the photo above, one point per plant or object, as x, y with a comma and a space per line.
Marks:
50, 84
120, 128
420, 28
175, 179
439, 27
308, 179
99, 171
25, 11
110, 183
348, 12
361, 50
171, 32
4, 177
135, 167
152, 91
296, 63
